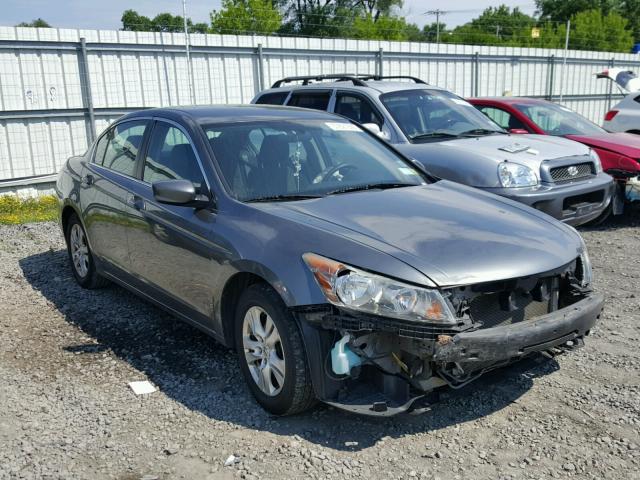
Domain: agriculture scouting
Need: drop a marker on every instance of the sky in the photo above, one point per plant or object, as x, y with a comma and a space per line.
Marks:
105, 14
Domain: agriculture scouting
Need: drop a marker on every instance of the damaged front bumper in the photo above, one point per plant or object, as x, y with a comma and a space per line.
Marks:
432, 358
513, 341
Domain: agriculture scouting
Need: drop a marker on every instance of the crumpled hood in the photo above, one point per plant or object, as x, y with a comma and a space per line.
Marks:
451, 233
474, 161
624, 143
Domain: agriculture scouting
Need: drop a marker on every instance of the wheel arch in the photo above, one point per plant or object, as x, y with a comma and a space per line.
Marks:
65, 214
67, 209
233, 288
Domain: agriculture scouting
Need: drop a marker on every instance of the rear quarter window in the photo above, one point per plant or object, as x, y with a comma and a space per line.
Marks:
275, 98
314, 100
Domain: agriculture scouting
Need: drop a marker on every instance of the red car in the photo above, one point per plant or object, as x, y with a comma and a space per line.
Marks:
619, 152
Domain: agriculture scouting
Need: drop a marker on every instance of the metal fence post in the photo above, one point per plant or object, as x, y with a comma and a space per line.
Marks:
550, 79
260, 68
610, 93
476, 74
380, 57
85, 87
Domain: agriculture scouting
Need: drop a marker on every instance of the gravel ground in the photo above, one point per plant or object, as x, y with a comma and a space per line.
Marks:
66, 410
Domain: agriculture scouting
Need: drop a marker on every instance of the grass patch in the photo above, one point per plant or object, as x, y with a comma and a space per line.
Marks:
14, 210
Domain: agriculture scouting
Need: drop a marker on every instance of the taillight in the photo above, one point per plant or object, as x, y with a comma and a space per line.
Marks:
609, 115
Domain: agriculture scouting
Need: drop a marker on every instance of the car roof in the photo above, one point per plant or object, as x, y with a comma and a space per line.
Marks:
232, 113
509, 100
379, 86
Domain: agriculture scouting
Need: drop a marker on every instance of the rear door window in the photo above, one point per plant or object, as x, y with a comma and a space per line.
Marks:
316, 100
274, 98
117, 150
357, 108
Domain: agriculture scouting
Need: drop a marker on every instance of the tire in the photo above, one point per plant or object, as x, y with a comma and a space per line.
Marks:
293, 393
84, 269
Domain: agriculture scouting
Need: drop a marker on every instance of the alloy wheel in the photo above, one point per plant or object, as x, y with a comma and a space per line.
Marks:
263, 351
79, 250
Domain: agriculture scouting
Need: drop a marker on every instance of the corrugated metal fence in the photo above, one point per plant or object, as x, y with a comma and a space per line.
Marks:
59, 87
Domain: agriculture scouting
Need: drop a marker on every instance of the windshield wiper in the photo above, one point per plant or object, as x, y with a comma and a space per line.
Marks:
282, 198
436, 134
371, 186
480, 131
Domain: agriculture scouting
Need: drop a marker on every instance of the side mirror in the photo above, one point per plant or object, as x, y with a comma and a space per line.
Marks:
374, 128
179, 192
518, 131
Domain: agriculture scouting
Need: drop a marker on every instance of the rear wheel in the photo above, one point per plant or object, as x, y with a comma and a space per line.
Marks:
82, 263
271, 353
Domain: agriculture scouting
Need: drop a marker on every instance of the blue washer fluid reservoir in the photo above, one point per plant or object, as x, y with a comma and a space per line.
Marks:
342, 358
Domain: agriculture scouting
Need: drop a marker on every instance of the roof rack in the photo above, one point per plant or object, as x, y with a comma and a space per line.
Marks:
345, 77
391, 77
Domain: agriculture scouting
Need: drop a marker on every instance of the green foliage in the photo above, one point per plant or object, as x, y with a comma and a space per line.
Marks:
595, 24
630, 9
317, 18
563, 10
163, 22
14, 210
37, 23
430, 31
495, 26
256, 16
384, 28
591, 30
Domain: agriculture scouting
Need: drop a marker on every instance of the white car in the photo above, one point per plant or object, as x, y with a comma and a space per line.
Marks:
625, 116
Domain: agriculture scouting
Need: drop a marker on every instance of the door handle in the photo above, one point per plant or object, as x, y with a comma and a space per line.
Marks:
87, 180
136, 202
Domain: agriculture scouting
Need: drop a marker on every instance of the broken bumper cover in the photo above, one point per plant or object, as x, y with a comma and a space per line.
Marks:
519, 339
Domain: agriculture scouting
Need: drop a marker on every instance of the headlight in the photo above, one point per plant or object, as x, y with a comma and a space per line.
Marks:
516, 175
596, 160
585, 273
355, 289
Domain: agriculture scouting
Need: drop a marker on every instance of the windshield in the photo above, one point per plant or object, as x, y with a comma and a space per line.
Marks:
283, 160
559, 120
436, 114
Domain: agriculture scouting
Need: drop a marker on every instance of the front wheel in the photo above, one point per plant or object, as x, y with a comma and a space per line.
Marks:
271, 353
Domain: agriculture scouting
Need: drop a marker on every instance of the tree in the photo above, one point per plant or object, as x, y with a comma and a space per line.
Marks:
430, 31
384, 27
376, 8
591, 30
563, 10
630, 9
319, 18
255, 16
495, 26
37, 23
163, 22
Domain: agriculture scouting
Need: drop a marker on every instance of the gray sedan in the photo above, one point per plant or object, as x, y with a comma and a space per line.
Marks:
336, 269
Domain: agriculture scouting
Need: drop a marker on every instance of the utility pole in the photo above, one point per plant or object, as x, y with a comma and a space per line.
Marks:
437, 13
564, 61
186, 45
